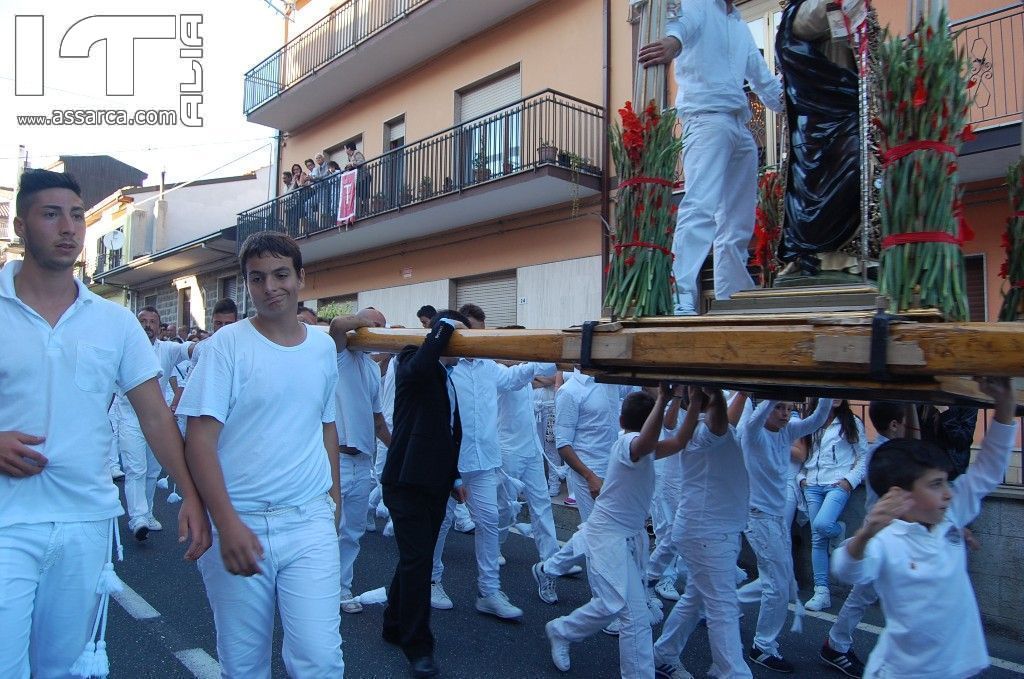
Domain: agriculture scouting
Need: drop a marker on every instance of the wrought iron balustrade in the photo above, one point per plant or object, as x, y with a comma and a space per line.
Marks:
994, 45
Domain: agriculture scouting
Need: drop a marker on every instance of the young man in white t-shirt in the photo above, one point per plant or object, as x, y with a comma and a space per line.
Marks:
711, 515
912, 548
66, 351
360, 423
616, 543
263, 447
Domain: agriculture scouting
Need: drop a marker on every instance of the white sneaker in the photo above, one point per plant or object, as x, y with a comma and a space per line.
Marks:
833, 543
139, 528
501, 560
498, 605
821, 600
382, 511
349, 604
439, 599
559, 648
574, 570
545, 584
667, 671
464, 525
389, 529
153, 524
612, 630
666, 589
371, 525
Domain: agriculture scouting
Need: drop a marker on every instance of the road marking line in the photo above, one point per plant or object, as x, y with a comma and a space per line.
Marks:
135, 605
199, 663
876, 630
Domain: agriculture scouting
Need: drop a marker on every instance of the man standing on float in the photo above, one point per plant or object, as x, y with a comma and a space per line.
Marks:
714, 54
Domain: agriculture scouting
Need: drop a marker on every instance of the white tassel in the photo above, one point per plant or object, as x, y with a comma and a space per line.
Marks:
162, 483
109, 582
798, 618
174, 498
100, 662
83, 666
117, 539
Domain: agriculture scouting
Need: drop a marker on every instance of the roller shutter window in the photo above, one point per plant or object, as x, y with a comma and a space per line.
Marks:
503, 91
495, 294
977, 304
229, 288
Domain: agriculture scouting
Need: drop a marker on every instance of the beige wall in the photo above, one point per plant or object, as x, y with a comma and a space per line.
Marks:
400, 304
559, 294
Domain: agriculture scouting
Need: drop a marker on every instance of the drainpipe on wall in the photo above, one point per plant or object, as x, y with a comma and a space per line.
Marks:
605, 150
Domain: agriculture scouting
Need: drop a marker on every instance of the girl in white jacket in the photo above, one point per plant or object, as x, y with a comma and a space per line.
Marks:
836, 465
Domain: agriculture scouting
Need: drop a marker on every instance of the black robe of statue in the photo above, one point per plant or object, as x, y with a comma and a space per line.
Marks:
822, 203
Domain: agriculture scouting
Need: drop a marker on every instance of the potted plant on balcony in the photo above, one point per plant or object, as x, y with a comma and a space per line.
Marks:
407, 195
379, 202
481, 171
426, 187
547, 152
565, 159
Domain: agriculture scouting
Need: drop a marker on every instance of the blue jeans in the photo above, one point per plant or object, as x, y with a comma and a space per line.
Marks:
825, 504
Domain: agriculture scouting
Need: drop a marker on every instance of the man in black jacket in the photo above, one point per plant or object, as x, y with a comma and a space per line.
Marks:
420, 473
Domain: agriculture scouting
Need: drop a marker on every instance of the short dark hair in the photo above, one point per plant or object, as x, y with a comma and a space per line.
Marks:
901, 462
449, 313
351, 145
34, 181
636, 407
473, 311
150, 309
426, 311
309, 160
264, 243
225, 306
303, 309
882, 413
333, 165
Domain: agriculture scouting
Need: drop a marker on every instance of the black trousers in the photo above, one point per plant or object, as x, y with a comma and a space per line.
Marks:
417, 514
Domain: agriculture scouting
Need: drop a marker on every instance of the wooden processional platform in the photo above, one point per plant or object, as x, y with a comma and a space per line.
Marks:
783, 344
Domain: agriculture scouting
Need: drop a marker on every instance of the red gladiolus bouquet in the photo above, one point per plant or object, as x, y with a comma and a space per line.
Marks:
1013, 243
767, 226
922, 120
645, 149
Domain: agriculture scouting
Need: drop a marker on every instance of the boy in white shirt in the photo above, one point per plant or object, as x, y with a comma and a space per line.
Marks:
912, 548
616, 543
712, 514
263, 447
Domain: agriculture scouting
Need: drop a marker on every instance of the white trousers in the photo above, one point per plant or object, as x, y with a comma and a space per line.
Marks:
581, 491
770, 539
529, 470
141, 471
301, 576
711, 588
482, 489
840, 636
720, 166
356, 486
48, 600
636, 652
668, 485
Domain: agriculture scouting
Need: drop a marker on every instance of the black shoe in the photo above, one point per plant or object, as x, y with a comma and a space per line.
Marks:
772, 662
847, 663
141, 533
423, 667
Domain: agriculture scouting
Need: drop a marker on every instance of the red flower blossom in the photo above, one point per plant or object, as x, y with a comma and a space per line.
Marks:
638, 210
630, 261
920, 93
968, 134
950, 169
971, 83
1005, 241
1004, 270
902, 108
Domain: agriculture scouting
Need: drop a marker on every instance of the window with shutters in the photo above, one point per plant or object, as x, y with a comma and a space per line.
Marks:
150, 300
494, 293
185, 308
229, 288
490, 144
977, 302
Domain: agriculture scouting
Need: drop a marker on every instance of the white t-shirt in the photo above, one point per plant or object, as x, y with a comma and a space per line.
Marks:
622, 506
715, 494
273, 402
169, 354
357, 398
57, 382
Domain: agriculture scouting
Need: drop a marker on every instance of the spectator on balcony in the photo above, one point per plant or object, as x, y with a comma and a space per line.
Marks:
320, 168
333, 167
356, 161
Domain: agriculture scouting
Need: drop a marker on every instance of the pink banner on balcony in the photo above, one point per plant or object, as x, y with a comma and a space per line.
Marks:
347, 198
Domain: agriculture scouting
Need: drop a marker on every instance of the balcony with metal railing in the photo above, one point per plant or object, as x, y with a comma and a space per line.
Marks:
994, 45
541, 151
357, 46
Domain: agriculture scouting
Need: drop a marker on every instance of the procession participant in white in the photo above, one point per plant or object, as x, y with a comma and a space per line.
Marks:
263, 447
615, 542
766, 437
478, 382
668, 475
360, 423
141, 468
712, 514
714, 55
523, 459
912, 548
891, 421
66, 352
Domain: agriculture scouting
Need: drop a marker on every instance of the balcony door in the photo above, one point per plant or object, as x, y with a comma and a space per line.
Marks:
491, 146
393, 165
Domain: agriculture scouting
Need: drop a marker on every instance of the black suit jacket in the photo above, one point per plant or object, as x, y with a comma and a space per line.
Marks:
424, 447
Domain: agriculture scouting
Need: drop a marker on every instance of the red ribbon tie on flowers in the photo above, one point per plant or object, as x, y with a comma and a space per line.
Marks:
649, 180
619, 247
890, 156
